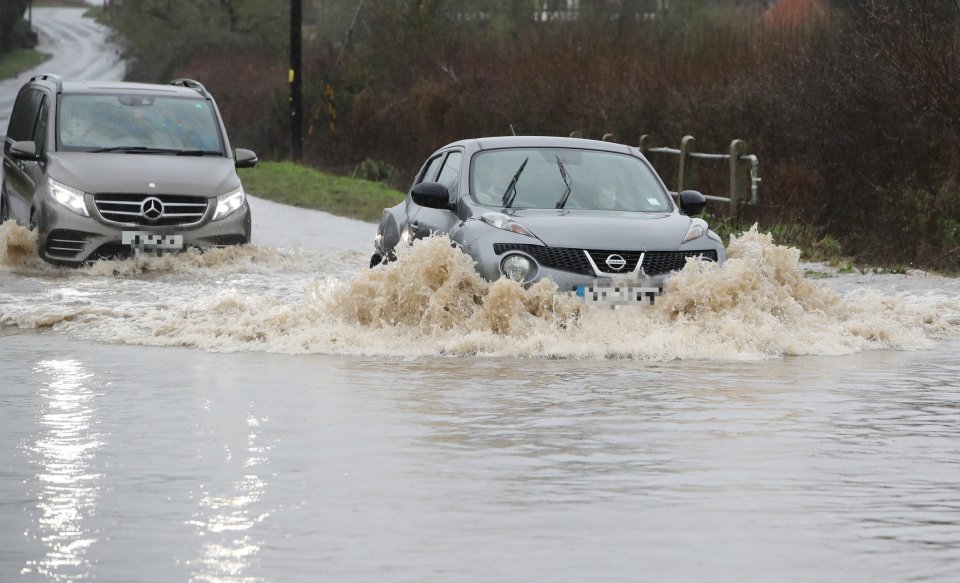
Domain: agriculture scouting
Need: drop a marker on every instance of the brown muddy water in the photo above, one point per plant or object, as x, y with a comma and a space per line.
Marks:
280, 413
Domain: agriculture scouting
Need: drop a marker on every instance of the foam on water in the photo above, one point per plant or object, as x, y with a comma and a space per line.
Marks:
431, 301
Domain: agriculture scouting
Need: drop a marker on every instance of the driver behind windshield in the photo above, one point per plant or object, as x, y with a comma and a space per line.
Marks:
92, 122
491, 180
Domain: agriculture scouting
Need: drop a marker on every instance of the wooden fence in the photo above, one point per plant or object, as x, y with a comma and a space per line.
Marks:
739, 162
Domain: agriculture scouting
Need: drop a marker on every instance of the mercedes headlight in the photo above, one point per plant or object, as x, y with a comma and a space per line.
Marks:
69, 197
698, 228
229, 202
504, 222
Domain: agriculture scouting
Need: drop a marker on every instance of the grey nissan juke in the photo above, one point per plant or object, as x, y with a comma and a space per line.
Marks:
594, 217
111, 169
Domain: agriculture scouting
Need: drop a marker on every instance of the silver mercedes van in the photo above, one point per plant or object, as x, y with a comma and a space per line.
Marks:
111, 169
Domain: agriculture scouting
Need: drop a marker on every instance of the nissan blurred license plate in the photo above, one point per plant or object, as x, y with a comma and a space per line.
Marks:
146, 241
618, 295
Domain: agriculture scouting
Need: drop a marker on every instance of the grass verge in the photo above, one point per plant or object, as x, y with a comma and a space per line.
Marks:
59, 4
306, 187
20, 60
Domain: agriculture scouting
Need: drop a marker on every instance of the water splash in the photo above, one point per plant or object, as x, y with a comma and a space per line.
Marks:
434, 289
432, 302
18, 253
232, 259
18, 247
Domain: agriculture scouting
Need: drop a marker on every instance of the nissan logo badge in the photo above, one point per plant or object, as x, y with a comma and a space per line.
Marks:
616, 262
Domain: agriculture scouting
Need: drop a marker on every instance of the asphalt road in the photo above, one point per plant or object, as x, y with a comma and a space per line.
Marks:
80, 49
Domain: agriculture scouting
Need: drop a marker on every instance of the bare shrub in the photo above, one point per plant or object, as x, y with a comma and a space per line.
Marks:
250, 92
854, 111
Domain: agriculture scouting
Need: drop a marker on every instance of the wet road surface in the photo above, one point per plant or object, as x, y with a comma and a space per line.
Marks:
281, 413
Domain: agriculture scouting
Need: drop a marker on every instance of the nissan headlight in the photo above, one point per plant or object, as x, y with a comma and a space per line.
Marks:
406, 237
504, 222
698, 228
229, 203
69, 197
517, 267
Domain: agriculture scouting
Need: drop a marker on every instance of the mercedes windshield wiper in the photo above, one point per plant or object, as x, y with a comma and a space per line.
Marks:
566, 180
511, 192
198, 153
124, 149
147, 150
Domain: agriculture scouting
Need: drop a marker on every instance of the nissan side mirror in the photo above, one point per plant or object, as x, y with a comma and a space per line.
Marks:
24, 150
692, 203
431, 195
245, 158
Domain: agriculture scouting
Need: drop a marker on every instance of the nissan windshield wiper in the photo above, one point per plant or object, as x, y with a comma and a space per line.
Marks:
566, 180
511, 192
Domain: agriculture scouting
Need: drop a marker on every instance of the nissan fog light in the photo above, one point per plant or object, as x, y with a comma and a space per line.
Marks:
516, 267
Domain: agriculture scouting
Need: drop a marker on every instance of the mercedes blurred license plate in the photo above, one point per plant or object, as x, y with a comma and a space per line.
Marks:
146, 241
618, 295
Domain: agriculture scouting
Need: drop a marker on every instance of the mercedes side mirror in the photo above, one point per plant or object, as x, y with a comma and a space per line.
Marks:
24, 150
245, 159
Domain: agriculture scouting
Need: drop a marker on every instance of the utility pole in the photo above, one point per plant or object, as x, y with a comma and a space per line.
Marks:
296, 86
32, 34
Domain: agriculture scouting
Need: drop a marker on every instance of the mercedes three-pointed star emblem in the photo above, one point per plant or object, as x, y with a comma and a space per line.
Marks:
152, 208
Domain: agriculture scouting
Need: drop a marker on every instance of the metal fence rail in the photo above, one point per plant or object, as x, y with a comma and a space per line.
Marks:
737, 158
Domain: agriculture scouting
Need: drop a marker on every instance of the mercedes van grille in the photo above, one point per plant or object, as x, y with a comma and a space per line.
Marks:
142, 209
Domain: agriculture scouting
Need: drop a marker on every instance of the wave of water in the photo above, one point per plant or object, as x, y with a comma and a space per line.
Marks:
432, 302
18, 254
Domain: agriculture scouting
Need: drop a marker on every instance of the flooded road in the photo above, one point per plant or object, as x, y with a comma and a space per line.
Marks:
239, 416
280, 413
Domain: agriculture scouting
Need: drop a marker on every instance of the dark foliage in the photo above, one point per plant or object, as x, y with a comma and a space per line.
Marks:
854, 112
162, 35
14, 31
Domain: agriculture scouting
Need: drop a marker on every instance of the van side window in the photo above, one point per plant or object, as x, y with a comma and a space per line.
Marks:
450, 174
40, 128
24, 115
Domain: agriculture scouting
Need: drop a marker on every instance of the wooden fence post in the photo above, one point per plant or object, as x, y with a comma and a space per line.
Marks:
687, 145
738, 184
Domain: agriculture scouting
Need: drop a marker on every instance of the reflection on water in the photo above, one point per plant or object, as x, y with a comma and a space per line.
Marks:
283, 468
812, 453
226, 518
68, 488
